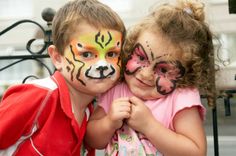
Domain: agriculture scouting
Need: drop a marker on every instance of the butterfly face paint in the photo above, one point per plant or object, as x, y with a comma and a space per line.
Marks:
166, 72
94, 56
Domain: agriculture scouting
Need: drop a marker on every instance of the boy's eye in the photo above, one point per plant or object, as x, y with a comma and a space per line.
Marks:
87, 54
112, 54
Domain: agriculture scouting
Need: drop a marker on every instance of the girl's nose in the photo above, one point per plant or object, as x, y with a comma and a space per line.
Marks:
147, 73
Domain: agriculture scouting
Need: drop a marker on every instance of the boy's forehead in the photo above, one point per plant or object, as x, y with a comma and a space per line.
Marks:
102, 38
96, 34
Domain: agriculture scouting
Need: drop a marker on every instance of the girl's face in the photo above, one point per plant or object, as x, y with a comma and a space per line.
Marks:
92, 59
153, 67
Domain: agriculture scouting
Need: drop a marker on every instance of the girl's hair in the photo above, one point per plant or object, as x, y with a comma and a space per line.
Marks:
183, 24
95, 13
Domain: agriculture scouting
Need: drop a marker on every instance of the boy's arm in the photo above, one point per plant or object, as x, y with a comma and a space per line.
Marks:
102, 126
18, 109
99, 129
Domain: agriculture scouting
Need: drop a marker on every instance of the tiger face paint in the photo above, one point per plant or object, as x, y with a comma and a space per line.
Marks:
94, 56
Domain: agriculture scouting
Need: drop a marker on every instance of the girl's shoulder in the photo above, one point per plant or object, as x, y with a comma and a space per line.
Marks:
186, 93
187, 98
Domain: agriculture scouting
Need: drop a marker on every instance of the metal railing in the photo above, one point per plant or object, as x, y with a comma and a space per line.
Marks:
37, 56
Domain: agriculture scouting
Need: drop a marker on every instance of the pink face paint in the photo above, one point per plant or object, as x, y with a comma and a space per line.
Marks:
137, 59
166, 72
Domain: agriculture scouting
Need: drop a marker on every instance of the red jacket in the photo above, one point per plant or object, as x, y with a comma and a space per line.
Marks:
37, 119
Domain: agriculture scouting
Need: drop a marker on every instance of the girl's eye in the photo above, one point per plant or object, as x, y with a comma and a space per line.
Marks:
87, 54
163, 70
141, 58
112, 54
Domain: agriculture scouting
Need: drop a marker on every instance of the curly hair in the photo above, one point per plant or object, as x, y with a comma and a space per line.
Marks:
183, 24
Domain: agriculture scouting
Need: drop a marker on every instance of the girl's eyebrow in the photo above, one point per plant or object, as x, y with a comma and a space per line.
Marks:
158, 57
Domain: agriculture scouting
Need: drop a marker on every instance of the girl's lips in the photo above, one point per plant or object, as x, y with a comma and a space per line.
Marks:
142, 83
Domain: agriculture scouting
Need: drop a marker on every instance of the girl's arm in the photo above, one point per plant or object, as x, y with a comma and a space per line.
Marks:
102, 126
187, 139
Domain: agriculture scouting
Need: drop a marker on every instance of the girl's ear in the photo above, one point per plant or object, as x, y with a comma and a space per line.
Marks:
55, 56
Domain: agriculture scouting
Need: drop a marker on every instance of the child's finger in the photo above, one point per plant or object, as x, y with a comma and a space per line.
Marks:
125, 115
125, 108
122, 99
135, 101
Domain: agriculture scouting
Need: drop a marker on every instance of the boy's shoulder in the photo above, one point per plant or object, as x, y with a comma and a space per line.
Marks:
46, 83
35, 87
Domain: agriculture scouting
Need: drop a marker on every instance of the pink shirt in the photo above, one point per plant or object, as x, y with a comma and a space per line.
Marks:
164, 110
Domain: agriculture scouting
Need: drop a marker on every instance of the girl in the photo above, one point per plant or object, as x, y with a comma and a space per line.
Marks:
158, 110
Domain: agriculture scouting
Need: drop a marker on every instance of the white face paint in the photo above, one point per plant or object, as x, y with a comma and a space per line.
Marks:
100, 70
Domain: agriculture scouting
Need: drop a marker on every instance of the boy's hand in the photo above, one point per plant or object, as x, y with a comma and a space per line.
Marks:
120, 110
140, 115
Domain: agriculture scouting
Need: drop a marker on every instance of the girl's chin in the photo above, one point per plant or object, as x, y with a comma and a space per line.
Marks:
144, 96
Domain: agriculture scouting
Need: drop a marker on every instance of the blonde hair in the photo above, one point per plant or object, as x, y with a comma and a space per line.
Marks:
75, 12
184, 25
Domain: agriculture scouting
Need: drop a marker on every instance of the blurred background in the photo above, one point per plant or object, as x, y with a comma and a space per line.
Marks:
221, 21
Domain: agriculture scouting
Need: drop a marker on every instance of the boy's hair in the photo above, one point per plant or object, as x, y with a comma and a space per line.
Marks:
75, 12
183, 24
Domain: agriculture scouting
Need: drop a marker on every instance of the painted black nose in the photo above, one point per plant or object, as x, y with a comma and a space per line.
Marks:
102, 68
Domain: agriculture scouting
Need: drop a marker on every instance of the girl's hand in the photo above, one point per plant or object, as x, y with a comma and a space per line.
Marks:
140, 115
120, 109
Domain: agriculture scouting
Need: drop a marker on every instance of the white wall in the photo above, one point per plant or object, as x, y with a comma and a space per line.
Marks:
218, 15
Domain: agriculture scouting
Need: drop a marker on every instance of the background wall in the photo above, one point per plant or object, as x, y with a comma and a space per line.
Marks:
222, 23
130, 11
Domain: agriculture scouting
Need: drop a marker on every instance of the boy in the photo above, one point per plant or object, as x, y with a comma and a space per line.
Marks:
49, 116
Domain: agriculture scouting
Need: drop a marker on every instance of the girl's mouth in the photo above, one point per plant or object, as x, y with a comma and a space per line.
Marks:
143, 83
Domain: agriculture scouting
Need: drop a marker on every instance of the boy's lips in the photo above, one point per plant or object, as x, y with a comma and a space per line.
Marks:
101, 80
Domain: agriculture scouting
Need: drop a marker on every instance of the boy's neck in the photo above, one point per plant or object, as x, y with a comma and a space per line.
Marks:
80, 100
79, 103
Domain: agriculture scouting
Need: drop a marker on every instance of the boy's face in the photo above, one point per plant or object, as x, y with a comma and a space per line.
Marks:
92, 59
153, 67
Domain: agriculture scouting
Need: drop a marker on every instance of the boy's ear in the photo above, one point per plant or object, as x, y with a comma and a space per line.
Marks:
55, 56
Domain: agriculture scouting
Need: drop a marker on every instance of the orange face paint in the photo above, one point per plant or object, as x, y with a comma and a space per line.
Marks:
95, 55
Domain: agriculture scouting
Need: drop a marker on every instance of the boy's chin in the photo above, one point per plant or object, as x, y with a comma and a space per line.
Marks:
99, 87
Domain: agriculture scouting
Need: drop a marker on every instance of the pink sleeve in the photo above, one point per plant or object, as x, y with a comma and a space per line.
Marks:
187, 98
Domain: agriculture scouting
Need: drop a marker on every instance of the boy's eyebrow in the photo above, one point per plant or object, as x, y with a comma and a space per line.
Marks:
89, 47
114, 48
86, 47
